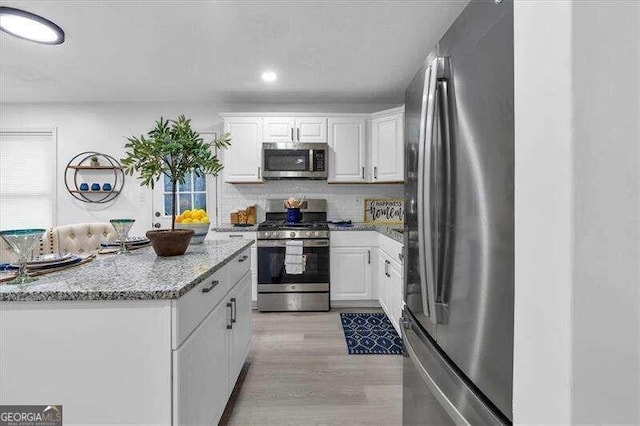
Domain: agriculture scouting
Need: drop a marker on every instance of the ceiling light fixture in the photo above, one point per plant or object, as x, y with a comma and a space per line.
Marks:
269, 76
29, 26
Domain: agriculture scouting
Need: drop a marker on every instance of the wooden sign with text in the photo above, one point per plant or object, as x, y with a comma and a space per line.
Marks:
384, 211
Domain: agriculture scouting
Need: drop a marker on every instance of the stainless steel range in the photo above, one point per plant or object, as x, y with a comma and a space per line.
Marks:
283, 286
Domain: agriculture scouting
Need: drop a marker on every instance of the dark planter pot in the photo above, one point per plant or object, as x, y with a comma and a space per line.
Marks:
170, 243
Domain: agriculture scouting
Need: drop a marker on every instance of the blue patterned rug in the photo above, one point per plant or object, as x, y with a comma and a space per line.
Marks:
370, 334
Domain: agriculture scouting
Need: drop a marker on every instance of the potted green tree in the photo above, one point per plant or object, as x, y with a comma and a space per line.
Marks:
173, 149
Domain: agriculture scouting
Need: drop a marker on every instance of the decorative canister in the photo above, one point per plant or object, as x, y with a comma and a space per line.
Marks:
293, 215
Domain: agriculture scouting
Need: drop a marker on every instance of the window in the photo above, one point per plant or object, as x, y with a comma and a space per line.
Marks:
192, 194
27, 179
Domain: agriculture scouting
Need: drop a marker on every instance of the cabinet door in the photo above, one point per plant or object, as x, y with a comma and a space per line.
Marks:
383, 282
388, 149
240, 332
243, 159
347, 150
311, 129
279, 129
200, 372
351, 273
394, 294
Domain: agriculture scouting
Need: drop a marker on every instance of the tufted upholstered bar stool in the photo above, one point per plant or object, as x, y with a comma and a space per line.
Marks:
82, 238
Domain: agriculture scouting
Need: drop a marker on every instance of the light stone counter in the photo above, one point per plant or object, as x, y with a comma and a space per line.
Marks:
140, 275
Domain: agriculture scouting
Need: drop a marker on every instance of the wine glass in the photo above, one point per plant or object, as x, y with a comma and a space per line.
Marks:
22, 241
122, 227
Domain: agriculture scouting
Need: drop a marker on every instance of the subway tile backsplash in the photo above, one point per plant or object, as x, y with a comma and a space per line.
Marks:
344, 201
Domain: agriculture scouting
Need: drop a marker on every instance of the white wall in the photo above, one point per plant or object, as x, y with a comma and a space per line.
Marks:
606, 284
543, 213
577, 304
103, 127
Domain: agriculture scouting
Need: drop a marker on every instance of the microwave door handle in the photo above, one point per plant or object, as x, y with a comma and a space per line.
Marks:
310, 160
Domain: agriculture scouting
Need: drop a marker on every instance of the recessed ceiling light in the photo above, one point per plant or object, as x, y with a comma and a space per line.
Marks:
269, 76
29, 26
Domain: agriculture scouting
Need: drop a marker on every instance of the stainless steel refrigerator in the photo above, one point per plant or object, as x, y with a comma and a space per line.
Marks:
459, 237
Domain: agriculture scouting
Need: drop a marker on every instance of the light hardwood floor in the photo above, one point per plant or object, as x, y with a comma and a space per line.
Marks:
301, 374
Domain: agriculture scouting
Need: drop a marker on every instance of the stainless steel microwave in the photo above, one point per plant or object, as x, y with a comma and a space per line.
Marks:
294, 160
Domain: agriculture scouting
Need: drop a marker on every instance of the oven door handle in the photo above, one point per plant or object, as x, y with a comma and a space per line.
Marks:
283, 243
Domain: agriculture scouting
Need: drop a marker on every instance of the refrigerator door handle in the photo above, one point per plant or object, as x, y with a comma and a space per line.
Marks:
445, 189
425, 234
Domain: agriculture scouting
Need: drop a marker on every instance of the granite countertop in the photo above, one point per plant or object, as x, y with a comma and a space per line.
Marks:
390, 231
227, 227
140, 275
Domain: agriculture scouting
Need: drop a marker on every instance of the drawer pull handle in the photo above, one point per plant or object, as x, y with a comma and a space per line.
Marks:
230, 323
235, 236
243, 258
233, 310
210, 286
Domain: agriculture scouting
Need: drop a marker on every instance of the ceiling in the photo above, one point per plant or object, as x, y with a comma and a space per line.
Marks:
206, 50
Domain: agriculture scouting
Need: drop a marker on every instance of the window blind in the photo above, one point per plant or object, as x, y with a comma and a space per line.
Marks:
27, 179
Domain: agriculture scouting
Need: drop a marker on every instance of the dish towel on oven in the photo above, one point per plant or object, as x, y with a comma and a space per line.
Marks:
293, 258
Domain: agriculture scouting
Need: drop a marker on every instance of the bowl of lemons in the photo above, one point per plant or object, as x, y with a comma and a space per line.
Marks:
196, 219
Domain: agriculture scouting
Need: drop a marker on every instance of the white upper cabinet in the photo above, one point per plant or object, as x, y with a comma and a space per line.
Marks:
243, 159
347, 153
295, 129
279, 129
311, 129
387, 147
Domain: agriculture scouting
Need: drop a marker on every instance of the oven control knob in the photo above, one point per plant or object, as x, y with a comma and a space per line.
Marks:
309, 233
316, 233
292, 235
267, 234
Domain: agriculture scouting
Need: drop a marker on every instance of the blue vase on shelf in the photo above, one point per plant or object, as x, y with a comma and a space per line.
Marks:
106, 186
84, 186
95, 187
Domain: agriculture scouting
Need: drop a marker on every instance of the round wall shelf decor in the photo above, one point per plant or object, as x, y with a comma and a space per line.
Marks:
92, 177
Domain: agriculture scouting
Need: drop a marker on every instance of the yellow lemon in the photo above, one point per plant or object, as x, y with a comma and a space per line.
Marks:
186, 214
204, 219
178, 219
187, 221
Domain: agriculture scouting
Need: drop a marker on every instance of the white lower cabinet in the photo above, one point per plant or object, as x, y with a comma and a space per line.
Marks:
240, 332
390, 278
201, 372
206, 365
351, 273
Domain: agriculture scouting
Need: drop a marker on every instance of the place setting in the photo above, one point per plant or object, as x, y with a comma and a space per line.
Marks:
23, 271
124, 244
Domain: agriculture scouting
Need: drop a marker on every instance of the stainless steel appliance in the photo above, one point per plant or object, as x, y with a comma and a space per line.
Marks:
294, 160
459, 275
307, 290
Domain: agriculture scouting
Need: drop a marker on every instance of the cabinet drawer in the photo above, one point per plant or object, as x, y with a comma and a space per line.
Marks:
234, 235
193, 307
354, 239
238, 266
392, 248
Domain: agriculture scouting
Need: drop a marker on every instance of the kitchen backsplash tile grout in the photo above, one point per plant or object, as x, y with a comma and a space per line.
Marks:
344, 201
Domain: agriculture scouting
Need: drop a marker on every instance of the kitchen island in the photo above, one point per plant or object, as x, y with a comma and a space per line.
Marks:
133, 339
